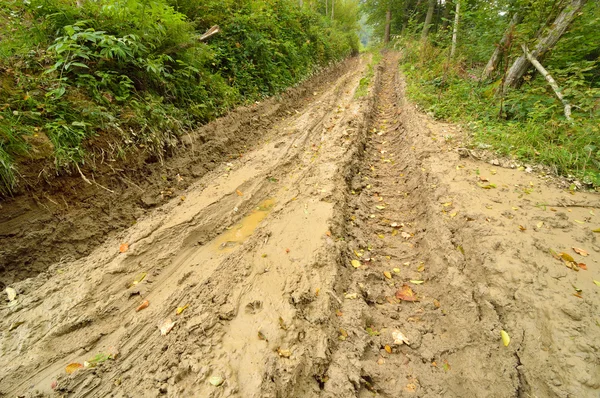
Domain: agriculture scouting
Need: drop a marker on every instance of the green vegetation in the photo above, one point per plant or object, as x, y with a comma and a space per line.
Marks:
122, 75
524, 119
365, 81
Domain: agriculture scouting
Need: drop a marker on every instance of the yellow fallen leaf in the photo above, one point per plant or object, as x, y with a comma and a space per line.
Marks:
387, 274
540, 225
166, 327
239, 193
447, 204
124, 247
579, 222
396, 270
394, 232
144, 304
566, 257
388, 349
597, 282
505, 338
73, 367
597, 230
416, 282
284, 353
138, 278
381, 236
355, 263
181, 309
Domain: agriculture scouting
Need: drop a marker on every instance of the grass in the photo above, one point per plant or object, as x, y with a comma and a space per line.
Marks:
529, 127
365, 81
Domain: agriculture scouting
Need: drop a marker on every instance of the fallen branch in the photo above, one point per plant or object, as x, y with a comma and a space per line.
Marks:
550, 80
209, 33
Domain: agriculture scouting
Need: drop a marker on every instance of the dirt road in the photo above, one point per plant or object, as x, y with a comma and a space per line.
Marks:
350, 252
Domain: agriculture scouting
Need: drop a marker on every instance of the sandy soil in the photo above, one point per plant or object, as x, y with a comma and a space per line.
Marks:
350, 252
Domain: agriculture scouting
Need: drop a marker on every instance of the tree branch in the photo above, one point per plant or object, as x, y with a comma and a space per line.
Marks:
550, 80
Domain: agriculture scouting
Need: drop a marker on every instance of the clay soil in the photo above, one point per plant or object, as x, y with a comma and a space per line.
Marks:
314, 245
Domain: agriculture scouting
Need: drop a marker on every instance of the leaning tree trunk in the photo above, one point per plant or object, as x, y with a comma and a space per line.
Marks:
332, 9
545, 44
428, 19
455, 29
388, 23
500, 47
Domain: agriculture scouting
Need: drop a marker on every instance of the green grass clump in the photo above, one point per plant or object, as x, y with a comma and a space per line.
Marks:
528, 124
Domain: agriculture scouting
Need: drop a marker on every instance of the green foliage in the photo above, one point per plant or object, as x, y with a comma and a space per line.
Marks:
530, 125
134, 71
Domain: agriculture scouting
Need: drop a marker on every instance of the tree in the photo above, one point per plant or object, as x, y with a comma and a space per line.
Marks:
545, 43
455, 29
501, 47
428, 19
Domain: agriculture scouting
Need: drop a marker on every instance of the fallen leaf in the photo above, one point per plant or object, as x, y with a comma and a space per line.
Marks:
73, 367
581, 252
540, 225
166, 327
446, 366
239, 193
284, 353
597, 282
579, 222
505, 338
416, 282
124, 247
406, 294
138, 278
399, 338
597, 230
144, 304
11, 293
54, 384
522, 228
356, 263
216, 381
406, 235
488, 186
387, 274
436, 303
411, 387
181, 309
566, 257
394, 232
261, 336
582, 266
396, 270
351, 296
287, 250
388, 349
380, 361
339, 313
380, 207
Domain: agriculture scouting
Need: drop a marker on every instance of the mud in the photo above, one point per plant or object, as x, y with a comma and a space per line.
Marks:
253, 264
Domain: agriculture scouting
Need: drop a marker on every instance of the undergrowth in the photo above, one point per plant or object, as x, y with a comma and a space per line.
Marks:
527, 124
365, 81
134, 73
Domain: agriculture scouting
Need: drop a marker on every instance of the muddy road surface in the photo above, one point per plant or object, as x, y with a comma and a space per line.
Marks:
356, 249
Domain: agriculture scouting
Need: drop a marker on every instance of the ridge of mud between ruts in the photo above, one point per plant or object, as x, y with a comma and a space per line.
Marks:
472, 242
276, 308
63, 218
255, 299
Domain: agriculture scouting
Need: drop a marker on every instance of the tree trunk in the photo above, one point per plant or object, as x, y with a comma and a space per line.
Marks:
405, 16
332, 9
446, 16
550, 80
388, 22
545, 44
500, 47
428, 19
326, 8
455, 29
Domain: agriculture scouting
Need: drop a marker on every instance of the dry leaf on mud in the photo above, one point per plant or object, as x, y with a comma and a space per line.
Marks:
505, 338
239, 193
124, 247
522, 228
581, 252
216, 381
582, 266
597, 230
181, 309
417, 282
351, 296
355, 263
399, 338
597, 283
166, 327
396, 270
138, 278
436, 303
388, 349
282, 324
284, 353
406, 294
406, 235
387, 274
73, 367
339, 313
11, 293
566, 257
410, 387
487, 186
144, 304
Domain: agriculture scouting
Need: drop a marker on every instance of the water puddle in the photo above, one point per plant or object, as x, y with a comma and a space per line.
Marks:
241, 231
